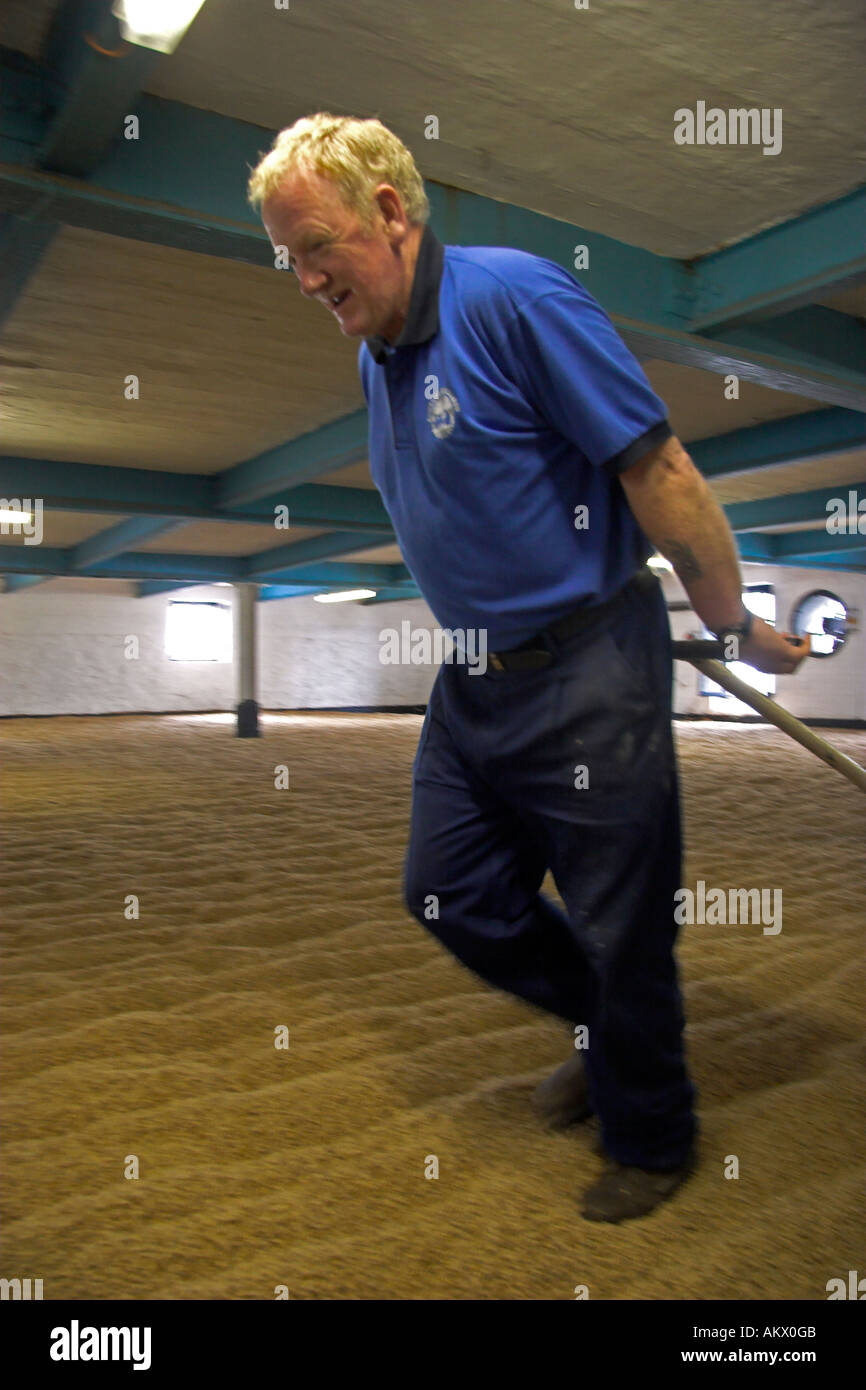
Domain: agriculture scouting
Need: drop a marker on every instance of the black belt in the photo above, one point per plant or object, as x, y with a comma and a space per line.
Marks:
529, 656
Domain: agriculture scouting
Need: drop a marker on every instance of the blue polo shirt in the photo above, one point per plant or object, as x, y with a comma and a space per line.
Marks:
499, 421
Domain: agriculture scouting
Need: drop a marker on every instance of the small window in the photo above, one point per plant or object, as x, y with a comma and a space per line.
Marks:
198, 632
760, 599
824, 617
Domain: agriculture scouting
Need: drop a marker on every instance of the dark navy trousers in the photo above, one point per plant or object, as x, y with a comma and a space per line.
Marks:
569, 768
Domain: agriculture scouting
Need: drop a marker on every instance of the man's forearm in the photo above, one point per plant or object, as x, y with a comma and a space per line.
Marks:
675, 508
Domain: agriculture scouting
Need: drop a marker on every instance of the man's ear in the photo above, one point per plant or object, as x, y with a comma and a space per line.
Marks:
391, 210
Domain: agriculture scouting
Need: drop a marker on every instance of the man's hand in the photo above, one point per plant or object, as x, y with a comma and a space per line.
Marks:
775, 653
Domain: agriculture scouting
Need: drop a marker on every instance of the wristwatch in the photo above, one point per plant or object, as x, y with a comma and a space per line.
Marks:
738, 630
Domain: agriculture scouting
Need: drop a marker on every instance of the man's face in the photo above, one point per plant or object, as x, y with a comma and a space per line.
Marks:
334, 257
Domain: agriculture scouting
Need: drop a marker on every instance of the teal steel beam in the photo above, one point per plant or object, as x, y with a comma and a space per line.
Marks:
148, 587
340, 508
789, 507
815, 379
817, 337
50, 560
88, 487
853, 563
334, 575
782, 267
31, 92
13, 582
811, 545
329, 447
22, 246
287, 557
132, 564
627, 280
815, 434
96, 81
117, 539
754, 546
39, 197
103, 80
43, 560
400, 574
792, 546
29, 98
93, 487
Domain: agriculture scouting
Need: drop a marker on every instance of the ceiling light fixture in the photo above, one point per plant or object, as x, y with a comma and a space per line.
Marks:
157, 24
344, 596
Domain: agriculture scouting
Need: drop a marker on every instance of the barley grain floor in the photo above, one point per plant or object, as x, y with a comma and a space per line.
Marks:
305, 1167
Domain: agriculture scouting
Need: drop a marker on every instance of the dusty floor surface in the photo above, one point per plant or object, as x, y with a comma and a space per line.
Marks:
304, 1167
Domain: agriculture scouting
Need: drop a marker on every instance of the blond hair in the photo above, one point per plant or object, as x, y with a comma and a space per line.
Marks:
356, 155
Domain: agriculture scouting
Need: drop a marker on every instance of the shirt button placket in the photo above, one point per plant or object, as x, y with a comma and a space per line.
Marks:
400, 378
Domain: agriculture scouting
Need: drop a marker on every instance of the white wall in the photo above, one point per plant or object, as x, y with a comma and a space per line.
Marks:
316, 654
63, 647
830, 688
63, 652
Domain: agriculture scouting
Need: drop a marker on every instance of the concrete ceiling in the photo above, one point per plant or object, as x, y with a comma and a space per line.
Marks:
213, 343
215, 346
566, 111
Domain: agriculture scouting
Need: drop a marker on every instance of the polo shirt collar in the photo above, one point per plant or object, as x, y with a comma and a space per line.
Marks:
422, 320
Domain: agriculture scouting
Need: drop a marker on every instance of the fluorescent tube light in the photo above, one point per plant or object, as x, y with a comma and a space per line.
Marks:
344, 596
157, 24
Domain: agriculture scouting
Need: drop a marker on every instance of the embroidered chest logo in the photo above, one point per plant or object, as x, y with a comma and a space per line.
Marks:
442, 411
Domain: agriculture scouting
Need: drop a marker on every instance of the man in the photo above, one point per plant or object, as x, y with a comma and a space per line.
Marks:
529, 470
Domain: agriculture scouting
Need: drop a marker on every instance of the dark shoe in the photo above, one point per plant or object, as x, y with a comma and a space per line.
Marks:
623, 1192
563, 1098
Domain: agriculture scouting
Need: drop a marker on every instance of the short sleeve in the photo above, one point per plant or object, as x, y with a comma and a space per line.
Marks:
580, 376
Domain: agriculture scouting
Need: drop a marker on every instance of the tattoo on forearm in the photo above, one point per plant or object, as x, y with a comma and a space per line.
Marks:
683, 560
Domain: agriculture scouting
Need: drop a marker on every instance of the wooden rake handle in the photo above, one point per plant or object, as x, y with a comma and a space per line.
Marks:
700, 654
